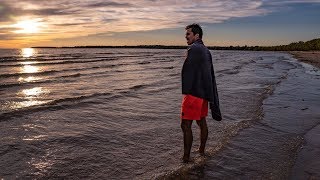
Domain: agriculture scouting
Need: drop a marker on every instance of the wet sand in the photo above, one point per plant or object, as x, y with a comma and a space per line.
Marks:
310, 57
307, 163
289, 130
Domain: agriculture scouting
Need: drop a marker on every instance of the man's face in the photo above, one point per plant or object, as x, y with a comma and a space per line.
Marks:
191, 37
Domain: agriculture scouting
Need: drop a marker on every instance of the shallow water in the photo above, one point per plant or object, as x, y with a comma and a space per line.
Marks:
114, 113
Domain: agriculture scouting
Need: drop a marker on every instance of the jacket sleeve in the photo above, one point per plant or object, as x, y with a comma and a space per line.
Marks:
188, 71
214, 106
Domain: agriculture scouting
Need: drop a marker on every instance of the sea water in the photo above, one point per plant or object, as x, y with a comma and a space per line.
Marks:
95, 113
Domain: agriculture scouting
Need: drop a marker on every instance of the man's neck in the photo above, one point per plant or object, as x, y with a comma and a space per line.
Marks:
198, 41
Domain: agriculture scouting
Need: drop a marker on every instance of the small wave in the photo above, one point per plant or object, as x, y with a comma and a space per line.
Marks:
38, 59
56, 63
169, 67
54, 105
108, 53
227, 71
174, 74
136, 87
56, 71
53, 79
29, 74
144, 62
134, 56
165, 89
268, 66
166, 60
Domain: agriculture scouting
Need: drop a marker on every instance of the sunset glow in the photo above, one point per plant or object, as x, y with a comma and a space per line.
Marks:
27, 26
29, 23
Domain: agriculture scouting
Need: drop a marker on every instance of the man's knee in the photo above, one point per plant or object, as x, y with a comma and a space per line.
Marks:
202, 122
186, 124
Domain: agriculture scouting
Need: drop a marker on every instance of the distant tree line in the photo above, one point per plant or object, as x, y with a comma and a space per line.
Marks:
312, 45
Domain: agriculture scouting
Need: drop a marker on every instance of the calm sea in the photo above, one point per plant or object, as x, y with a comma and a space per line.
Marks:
114, 114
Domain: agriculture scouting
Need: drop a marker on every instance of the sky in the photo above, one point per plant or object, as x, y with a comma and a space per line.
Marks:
27, 23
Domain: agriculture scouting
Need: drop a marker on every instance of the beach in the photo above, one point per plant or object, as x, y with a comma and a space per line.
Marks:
284, 143
307, 161
310, 57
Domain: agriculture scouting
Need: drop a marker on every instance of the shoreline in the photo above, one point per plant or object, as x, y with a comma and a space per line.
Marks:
310, 57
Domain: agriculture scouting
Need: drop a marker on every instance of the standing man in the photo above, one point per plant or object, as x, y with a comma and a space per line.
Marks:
198, 89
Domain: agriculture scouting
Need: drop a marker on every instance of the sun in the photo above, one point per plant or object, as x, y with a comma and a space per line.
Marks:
27, 26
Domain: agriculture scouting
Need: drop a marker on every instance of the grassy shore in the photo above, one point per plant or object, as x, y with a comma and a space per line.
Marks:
310, 57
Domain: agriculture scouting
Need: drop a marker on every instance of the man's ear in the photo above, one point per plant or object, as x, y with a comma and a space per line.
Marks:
197, 36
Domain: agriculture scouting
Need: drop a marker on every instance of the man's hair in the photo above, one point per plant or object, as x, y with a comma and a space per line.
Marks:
196, 29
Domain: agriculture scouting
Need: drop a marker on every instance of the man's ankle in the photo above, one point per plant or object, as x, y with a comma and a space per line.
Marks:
186, 158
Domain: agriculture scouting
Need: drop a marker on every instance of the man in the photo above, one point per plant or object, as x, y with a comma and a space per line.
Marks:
198, 88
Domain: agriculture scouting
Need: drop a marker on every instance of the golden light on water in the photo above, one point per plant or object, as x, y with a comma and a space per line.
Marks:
28, 104
27, 52
30, 69
32, 92
33, 138
28, 79
29, 62
31, 97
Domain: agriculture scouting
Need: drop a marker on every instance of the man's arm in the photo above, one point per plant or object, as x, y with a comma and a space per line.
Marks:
188, 71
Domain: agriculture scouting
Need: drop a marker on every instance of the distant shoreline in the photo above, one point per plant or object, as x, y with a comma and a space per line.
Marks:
112, 47
312, 45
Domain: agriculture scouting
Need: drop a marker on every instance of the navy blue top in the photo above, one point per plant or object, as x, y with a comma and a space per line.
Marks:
198, 77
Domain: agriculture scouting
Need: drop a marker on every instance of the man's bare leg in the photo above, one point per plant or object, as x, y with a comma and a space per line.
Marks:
203, 134
187, 138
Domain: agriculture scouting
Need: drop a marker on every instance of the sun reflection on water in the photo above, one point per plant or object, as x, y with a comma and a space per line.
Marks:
31, 97
28, 79
32, 92
34, 138
29, 103
41, 163
27, 52
30, 69
29, 62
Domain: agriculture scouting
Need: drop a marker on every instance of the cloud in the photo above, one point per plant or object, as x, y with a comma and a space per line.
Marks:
109, 4
74, 18
286, 2
142, 15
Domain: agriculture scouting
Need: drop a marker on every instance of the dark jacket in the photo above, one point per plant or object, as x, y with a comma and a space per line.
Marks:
198, 77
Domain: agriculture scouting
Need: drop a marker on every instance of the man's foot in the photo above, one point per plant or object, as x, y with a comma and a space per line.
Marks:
185, 159
201, 152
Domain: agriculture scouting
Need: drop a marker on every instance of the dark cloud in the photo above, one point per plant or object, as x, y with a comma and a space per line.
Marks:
7, 37
70, 24
6, 12
7, 29
109, 19
6, 33
51, 12
109, 4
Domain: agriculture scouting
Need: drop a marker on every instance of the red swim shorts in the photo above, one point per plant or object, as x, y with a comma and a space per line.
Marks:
193, 108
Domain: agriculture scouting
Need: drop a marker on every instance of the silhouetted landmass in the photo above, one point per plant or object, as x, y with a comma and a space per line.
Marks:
312, 45
139, 46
